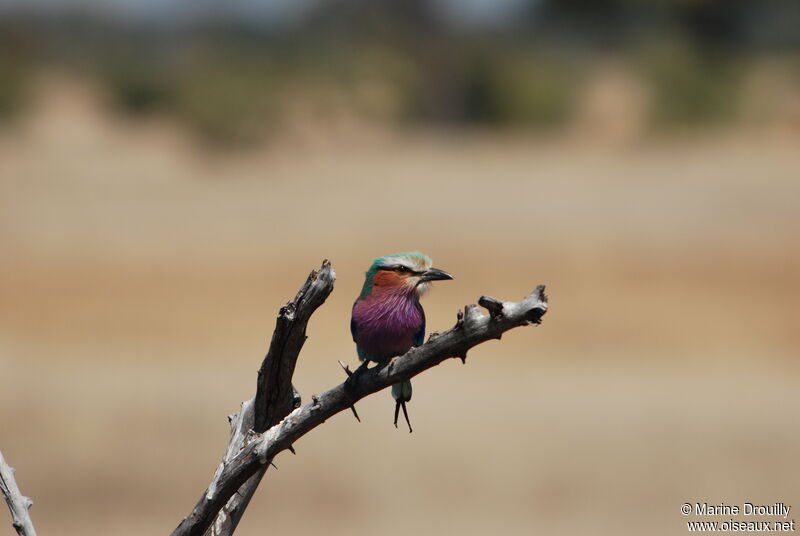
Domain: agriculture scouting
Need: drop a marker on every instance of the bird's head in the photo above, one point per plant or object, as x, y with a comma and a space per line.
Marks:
409, 273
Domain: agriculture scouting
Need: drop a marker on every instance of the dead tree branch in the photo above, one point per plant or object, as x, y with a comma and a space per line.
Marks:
266, 424
17, 502
275, 395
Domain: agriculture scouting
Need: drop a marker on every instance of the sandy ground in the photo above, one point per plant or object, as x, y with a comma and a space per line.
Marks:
140, 277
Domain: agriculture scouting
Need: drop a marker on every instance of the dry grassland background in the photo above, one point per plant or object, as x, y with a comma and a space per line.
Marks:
140, 278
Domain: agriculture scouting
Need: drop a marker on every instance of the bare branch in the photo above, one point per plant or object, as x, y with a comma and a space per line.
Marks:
275, 395
17, 502
472, 328
274, 392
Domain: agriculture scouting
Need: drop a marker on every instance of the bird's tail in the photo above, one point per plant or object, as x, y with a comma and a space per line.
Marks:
401, 392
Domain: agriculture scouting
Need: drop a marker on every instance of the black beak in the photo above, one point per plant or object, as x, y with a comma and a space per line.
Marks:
434, 274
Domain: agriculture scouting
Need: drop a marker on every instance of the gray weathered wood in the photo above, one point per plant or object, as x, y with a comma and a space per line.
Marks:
17, 502
472, 328
275, 396
229, 516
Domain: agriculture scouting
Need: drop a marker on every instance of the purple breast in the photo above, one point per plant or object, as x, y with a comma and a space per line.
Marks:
386, 324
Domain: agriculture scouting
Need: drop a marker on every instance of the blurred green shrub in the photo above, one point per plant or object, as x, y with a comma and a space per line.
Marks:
14, 85
228, 102
689, 88
527, 90
379, 80
226, 97
495, 86
138, 87
235, 92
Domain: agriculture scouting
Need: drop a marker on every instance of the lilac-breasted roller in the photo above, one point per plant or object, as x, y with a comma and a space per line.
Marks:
387, 316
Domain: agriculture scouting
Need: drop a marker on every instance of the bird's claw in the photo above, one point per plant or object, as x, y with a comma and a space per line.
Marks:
362, 368
350, 375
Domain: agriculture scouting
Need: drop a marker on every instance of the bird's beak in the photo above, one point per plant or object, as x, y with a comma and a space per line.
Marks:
434, 274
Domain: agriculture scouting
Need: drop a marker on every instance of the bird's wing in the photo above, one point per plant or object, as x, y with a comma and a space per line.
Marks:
353, 325
419, 336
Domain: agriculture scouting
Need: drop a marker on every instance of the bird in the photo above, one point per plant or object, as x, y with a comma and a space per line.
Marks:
388, 319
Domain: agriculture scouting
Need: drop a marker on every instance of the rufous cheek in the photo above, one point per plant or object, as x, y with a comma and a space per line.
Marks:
386, 278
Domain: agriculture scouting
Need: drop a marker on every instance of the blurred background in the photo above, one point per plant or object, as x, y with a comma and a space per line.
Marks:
171, 171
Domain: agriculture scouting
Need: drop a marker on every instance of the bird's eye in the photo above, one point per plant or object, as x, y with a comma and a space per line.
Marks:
402, 269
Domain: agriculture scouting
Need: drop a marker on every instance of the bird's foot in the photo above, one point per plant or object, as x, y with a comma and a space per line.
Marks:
348, 381
352, 375
362, 368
